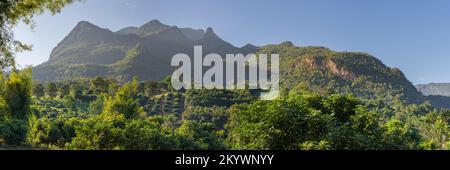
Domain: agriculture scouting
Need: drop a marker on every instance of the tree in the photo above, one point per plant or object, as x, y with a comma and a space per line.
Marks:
281, 124
14, 11
308, 122
64, 89
113, 85
141, 134
400, 135
53, 133
114, 131
51, 89
99, 85
38, 90
213, 115
76, 91
104, 131
15, 99
151, 88
17, 94
124, 101
435, 129
198, 136
13, 131
96, 106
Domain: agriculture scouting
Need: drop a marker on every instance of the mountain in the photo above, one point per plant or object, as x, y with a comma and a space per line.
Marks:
214, 44
192, 33
146, 52
89, 51
437, 93
154, 27
129, 30
322, 70
249, 48
442, 89
150, 28
88, 43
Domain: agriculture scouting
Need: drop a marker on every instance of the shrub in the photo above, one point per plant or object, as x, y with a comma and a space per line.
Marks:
52, 133
13, 132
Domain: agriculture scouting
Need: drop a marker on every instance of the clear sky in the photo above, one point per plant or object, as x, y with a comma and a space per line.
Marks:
413, 35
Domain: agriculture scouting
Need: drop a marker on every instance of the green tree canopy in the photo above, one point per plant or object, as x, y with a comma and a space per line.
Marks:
14, 11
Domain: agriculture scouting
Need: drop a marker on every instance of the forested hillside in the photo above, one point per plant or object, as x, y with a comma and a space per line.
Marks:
90, 51
100, 113
321, 70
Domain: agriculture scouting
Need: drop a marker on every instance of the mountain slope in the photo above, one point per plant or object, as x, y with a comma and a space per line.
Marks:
156, 27
442, 89
322, 70
88, 43
90, 51
193, 34
146, 52
249, 48
214, 44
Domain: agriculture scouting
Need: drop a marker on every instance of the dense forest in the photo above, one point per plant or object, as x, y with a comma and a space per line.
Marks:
101, 113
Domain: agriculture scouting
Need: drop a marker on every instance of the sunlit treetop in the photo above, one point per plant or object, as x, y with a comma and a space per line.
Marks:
14, 11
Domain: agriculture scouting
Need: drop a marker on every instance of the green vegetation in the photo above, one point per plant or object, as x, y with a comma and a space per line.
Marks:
315, 122
321, 70
14, 11
91, 51
99, 113
330, 100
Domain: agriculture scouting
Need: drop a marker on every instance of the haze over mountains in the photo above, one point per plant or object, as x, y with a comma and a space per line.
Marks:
442, 89
146, 52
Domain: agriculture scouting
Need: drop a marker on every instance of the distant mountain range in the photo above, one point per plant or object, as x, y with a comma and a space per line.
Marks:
442, 89
146, 52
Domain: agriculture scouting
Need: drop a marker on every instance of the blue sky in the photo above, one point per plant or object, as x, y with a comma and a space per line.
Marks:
413, 35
